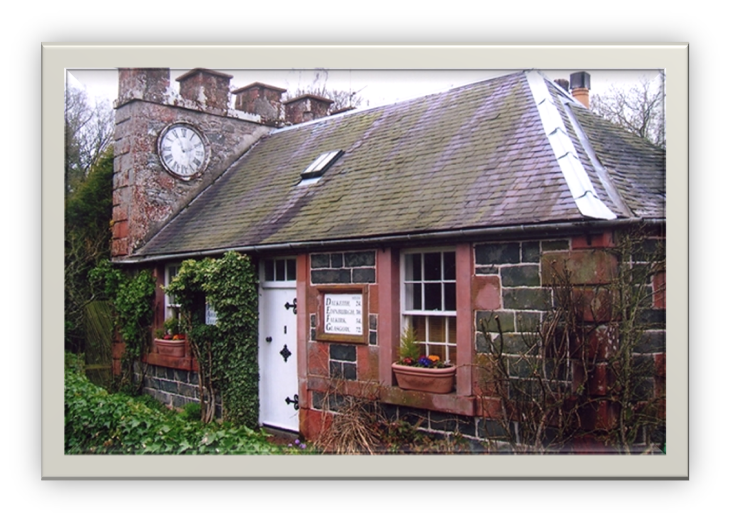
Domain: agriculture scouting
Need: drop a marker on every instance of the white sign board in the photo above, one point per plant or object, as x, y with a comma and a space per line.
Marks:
343, 314
211, 317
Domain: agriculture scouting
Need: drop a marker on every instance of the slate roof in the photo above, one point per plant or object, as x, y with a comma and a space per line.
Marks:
473, 157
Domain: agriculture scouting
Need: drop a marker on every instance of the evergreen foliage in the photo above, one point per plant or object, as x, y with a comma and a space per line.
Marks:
99, 422
132, 298
227, 352
87, 242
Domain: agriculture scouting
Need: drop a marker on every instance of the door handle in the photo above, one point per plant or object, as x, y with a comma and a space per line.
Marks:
293, 305
294, 401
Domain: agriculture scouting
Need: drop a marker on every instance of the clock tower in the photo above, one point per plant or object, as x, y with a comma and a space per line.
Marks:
169, 146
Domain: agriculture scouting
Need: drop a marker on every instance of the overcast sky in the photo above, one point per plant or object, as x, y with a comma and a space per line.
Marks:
375, 87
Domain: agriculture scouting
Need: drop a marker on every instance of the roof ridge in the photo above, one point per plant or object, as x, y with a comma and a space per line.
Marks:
576, 177
600, 170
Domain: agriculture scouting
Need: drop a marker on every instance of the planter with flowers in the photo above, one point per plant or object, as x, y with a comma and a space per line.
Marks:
414, 371
170, 341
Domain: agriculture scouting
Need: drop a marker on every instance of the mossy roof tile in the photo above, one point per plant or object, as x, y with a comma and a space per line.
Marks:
475, 156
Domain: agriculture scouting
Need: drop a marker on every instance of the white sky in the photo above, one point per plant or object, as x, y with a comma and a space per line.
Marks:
376, 87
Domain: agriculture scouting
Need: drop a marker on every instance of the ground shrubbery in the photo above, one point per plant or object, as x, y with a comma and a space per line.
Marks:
97, 422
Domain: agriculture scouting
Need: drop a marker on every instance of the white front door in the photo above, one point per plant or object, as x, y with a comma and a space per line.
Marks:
278, 385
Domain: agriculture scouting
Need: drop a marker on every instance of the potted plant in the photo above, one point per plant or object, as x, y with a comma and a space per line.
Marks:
415, 371
169, 340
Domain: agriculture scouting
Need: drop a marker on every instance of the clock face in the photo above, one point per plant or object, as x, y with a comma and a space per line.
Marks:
182, 150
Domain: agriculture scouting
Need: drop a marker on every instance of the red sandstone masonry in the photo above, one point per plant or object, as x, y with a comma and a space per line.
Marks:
592, 241
486, 292
659, 287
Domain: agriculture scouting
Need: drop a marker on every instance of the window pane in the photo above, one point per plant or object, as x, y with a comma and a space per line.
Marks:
450, 266
419, 326
413, 267
413, 296
432, 266
437, 329
280, 270
269, 270
437, 350
291, 269
433, 296
450, 296
452, 330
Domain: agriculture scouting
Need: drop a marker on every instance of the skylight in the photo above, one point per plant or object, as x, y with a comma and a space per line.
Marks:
321, 164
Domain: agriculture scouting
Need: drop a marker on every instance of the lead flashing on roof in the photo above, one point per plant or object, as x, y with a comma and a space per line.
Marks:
576, 177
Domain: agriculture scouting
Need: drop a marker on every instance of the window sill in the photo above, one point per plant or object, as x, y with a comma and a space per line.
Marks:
447, 402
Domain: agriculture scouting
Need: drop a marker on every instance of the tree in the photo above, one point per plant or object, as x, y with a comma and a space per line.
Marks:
89, 129
639, 109
87, 215
342, 99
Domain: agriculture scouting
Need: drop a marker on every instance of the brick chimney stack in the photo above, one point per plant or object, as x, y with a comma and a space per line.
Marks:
306, 108
208, 89
263, 100
580, 86
143, 84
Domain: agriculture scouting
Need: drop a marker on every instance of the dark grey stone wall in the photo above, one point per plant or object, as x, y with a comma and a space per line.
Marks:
174, 388
343, 268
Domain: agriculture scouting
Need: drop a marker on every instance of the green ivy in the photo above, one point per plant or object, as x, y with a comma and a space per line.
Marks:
227, 352
99, 422
132, 298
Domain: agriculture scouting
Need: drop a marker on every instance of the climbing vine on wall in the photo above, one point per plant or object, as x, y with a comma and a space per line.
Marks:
227, 352
132, 303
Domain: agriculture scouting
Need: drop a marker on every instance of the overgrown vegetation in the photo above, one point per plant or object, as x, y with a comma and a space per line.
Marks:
227, 351
579, 375
99, 422
87, 242
359, 425
132, 297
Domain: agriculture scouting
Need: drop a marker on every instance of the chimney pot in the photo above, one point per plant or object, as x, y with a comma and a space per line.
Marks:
580, 85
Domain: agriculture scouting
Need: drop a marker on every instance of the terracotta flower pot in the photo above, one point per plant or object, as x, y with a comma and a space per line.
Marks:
169, 347
432, 380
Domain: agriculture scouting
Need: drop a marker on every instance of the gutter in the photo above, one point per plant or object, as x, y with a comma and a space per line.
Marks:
463, 234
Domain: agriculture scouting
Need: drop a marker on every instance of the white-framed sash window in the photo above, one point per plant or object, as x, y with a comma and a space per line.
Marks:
429, 300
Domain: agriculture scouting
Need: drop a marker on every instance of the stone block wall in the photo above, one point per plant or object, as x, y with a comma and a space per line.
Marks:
510, 288
336, 359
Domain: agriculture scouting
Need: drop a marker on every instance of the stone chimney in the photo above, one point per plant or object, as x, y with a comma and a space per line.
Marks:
263, 100
143, 84
306, 108
207, 89
580, 86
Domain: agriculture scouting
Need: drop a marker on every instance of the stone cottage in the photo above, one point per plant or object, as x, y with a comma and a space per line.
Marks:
434, 212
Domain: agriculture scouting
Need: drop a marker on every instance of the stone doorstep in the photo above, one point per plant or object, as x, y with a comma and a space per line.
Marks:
281, 436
